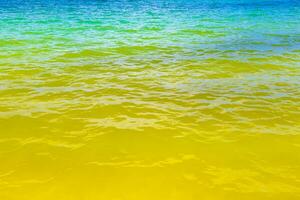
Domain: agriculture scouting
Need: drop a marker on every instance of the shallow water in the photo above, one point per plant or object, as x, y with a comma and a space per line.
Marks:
150, 99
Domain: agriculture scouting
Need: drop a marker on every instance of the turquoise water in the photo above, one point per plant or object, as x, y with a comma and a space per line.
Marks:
189, 30
150, 100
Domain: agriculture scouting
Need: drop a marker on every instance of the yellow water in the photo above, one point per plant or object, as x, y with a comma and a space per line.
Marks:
87, 114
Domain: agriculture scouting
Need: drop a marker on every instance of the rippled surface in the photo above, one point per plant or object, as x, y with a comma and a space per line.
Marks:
150, 100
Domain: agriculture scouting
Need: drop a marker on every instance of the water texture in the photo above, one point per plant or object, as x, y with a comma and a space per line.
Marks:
150, 99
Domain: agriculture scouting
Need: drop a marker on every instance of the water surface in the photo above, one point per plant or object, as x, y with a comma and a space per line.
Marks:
150, 99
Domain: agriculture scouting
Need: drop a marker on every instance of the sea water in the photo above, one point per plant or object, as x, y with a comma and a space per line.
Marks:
149, 99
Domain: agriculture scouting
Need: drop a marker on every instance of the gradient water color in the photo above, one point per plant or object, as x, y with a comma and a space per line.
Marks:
149, 99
